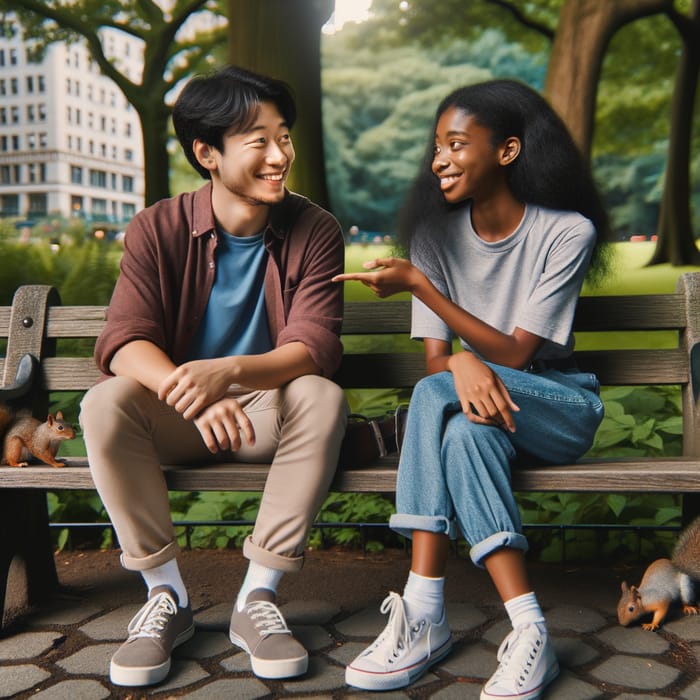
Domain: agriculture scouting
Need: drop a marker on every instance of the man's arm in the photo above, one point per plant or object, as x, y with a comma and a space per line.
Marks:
144, 362
193, 386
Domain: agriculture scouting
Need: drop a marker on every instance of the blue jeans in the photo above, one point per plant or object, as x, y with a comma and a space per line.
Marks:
455, 473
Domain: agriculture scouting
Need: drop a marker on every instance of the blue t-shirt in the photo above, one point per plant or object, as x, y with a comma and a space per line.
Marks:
235, 321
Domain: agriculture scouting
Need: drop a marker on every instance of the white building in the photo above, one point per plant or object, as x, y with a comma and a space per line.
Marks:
70, 144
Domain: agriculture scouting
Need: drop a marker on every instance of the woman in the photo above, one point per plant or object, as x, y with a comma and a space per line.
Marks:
502, 224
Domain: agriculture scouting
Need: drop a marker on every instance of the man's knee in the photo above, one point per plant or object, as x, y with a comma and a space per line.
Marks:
321, 398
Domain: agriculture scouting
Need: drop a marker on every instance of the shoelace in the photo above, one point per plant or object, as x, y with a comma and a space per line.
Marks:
151, 620
524, 659
267, 618
397, 630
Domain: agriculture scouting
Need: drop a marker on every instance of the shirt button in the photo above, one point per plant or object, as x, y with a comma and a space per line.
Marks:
212, 234
194, 232
211, 265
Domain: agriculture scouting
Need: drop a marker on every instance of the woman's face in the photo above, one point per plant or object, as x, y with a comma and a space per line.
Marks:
465, 161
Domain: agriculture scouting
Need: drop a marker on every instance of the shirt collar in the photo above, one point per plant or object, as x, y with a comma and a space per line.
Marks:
204, 222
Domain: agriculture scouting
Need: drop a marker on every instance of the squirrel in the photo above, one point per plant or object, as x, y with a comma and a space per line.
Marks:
665, 581
24, 435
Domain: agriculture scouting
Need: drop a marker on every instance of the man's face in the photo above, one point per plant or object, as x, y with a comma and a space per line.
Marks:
254, 165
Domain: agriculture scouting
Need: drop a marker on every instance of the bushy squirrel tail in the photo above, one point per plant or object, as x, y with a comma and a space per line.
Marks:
686, 554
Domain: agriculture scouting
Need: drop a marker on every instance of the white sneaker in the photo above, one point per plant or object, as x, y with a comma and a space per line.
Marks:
526, 665
402, 652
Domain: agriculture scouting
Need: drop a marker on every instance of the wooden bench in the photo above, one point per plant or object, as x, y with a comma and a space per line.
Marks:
36, 326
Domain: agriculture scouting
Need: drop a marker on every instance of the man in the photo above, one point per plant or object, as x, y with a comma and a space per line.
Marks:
221, 336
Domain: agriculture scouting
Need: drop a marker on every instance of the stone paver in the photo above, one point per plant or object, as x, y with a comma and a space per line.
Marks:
65, 653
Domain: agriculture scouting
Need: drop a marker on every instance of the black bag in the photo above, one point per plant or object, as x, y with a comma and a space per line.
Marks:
369, 438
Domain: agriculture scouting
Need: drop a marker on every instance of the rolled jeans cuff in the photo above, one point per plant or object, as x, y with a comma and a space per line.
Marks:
273, 561
405, 523
512, 540
164, 555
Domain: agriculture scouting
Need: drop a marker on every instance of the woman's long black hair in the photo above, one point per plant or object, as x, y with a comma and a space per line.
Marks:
549, 171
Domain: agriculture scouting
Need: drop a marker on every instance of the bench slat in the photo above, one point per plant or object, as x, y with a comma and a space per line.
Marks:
661, 475
647, 312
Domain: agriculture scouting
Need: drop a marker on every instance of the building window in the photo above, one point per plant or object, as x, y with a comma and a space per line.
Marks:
5, 175
13, 57
79, 144
127, 183
2, 57
38, 203
98, 178
31, 140
3, 143
14, 111
30, 113
43, 139
127, 129
14, 86
99, 207
76, 205
9, 205
42, 172
76, 175
15, 142
103, 150
128, 210
128, 154
31, 173
41, 109
30, 83
42, 83
3, 87
113, 180
3, 115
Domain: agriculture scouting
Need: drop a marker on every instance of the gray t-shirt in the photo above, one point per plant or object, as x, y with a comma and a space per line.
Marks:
531, 279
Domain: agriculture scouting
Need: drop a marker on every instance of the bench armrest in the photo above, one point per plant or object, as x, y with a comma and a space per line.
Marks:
24, 379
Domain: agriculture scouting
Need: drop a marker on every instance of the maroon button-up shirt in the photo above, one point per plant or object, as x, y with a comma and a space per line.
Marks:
168, 268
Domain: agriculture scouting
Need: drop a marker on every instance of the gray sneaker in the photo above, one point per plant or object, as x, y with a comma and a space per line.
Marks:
155, 630
260, 630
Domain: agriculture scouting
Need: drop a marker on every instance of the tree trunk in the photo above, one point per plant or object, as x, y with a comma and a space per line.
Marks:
283, 39
154, 129
583, 32
675, 242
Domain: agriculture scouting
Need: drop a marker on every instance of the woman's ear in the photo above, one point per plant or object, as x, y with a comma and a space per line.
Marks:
204, 153
510, 150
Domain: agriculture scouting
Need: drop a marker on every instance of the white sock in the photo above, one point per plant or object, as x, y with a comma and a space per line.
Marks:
167, 574
524, 609
424, 597
257, 576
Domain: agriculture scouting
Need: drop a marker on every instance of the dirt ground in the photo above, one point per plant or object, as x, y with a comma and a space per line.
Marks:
348, 578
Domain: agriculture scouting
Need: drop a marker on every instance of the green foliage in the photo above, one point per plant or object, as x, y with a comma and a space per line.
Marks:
640, 421
61, 253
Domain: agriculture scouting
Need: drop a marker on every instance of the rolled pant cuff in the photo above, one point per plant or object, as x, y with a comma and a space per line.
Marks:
270, 559
512, 540
405, 523
170, 551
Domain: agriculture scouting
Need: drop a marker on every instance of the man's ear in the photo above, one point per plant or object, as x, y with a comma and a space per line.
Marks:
204, 153
510, 150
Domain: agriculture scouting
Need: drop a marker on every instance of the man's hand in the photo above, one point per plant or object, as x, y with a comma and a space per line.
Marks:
195, 385
387, 276
482, 394
223, 424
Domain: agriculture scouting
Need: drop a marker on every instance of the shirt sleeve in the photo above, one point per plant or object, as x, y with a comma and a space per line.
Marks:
549, 310
314, 307
425, 323
135, 311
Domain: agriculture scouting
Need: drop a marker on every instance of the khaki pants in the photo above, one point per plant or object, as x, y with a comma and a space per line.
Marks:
129, 433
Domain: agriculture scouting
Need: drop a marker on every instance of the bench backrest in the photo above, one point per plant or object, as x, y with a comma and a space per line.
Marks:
38, 324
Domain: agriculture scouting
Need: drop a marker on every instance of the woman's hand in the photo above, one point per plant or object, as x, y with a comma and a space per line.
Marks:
482, 394
387, 276
223, 424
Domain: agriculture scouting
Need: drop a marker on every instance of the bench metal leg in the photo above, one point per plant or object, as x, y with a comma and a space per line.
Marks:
24, 536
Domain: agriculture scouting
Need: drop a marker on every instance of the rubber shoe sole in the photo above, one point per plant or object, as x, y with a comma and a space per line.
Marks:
145, 675
273, 668
366, 680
